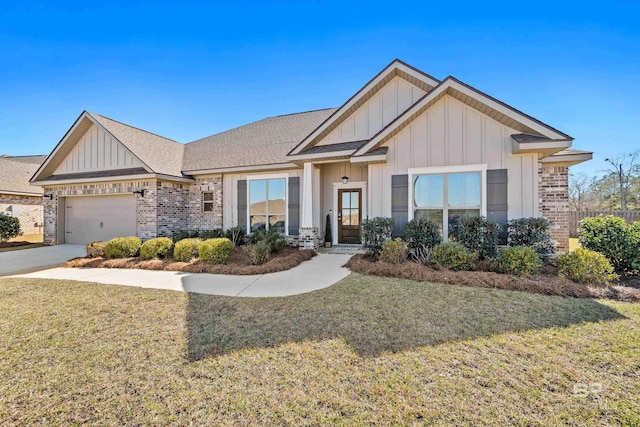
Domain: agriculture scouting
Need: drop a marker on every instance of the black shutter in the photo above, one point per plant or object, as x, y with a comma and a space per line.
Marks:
400, 203
242, 204
497, 206
294, 206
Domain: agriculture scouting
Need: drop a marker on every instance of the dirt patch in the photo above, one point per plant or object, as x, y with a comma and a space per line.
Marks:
13, 244
546, 283
238, 263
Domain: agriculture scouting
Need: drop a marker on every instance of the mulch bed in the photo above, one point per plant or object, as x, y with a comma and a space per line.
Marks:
545, 283
13, 244
238, 263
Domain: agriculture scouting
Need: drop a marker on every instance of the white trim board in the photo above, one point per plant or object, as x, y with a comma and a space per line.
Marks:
341, 186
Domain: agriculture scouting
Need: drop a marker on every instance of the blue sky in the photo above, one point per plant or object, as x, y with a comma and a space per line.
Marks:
189, 69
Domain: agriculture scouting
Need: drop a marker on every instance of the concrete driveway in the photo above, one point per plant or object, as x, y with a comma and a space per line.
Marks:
320, 272
28, 260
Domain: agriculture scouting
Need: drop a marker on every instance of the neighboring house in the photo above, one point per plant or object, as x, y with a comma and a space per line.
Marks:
405, 145
17, 197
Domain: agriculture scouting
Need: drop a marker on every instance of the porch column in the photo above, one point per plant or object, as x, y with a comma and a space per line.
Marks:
308, 238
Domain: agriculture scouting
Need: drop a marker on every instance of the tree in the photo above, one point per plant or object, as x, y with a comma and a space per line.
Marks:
581, 194
9, 227
625, 169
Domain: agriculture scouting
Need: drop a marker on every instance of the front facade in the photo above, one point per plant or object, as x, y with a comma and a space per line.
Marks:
406, 145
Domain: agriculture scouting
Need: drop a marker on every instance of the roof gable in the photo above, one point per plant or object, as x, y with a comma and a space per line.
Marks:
497, 110
395, 69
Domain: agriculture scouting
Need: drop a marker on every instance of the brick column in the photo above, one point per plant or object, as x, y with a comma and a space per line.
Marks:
553, 203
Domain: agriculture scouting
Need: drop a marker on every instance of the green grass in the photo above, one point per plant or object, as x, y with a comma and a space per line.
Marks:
367, 350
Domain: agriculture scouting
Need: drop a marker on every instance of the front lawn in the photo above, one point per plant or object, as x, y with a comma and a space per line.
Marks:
367, 350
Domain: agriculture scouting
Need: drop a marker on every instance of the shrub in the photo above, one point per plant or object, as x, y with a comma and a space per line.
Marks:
123, 247
9, 227
274, 239
236, 235
186, 249
161, 247
532, 232
480, 235
422, 235
518, 260
215, 251
258, 253
375, 232
613, 238
394, 251
184, 234
96, 249
211, 234
586, 266
454, 256
327, 230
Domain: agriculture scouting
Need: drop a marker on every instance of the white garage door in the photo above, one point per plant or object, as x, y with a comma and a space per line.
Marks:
89, 219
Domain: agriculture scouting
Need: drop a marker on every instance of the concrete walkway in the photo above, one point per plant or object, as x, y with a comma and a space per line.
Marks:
26, 260
320, 272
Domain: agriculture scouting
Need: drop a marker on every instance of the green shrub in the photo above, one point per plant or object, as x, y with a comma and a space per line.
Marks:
422, 235
215, 251
274, 239
211, 234
236, 235
123, 247
375, 232
161, 247
258, 253
454, 256
394, 251
96, 249
9, 227
532, 232
479, 235
186, 249
613, 238
184, 234
518, 260
586, 266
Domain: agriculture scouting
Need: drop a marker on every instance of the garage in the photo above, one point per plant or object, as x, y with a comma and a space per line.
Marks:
90, 219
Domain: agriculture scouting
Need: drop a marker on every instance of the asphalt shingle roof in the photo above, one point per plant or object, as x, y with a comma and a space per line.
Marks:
15, 175
264, 142
162, 155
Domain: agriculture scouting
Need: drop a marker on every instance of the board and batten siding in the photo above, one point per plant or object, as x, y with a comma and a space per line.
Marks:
97, 150
452, 133
387, 104
230, 193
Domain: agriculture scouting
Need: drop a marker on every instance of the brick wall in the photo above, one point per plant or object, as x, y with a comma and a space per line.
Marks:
28, 209
197, 218
553, 193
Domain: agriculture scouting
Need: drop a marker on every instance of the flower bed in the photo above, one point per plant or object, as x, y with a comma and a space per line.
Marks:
238, 263
547, 283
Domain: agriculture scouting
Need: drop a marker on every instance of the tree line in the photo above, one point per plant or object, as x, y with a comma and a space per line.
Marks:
618, 189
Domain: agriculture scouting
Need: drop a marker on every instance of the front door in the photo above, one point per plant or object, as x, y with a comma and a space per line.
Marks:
349, 215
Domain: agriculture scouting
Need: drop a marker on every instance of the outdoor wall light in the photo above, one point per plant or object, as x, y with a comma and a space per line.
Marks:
47, 196
140, 192
345, 179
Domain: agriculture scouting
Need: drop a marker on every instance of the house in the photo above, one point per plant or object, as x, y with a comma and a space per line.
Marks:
17, 197
405, 145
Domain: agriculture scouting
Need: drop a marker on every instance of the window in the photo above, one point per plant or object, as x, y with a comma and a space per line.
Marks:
267, 204
445, 198
207, 201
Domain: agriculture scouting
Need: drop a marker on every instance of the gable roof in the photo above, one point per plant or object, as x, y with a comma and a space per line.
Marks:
497, 110
159, 154
15, 174
395, 68
265, 142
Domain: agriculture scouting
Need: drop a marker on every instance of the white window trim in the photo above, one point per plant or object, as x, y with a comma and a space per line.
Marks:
481, 167
286, 198
341, 186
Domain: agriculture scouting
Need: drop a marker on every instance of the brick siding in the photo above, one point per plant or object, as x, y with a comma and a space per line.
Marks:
553, 193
